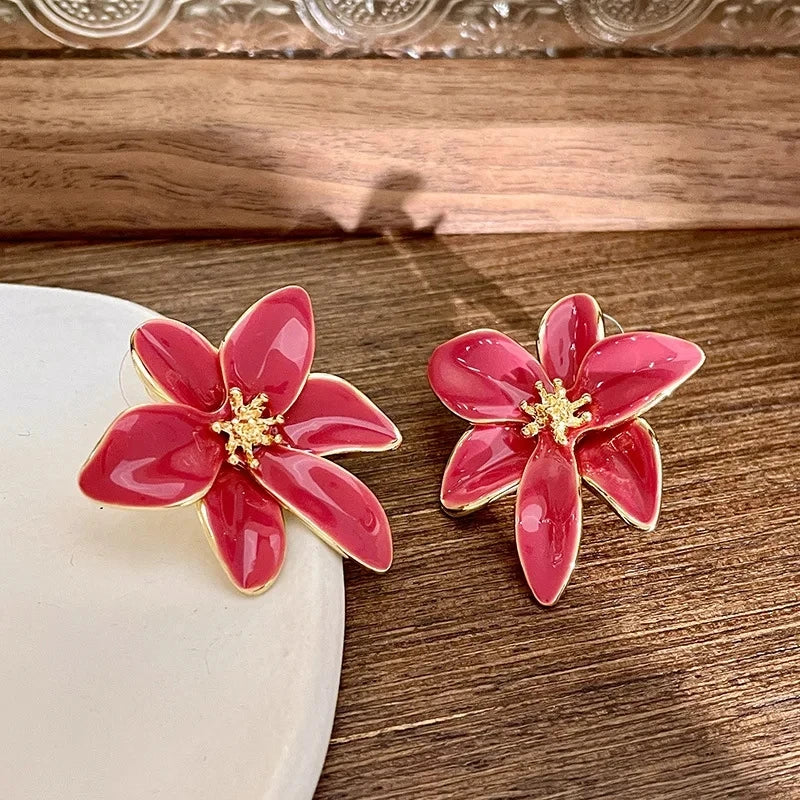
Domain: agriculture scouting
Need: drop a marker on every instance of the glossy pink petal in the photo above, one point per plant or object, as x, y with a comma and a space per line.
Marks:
567, 331
334, 503
270, 348
178, 364
245, 527
624, 465
486, 463
629, 373
549, 519
154, 456
332, 416
484, 375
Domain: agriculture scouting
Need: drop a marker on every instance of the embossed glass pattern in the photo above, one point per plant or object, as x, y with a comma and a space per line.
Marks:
416, 28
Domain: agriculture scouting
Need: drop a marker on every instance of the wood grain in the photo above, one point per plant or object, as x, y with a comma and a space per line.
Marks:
96, 146
670, 668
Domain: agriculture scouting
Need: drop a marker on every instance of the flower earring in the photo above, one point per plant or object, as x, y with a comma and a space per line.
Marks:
539, 426
242, 433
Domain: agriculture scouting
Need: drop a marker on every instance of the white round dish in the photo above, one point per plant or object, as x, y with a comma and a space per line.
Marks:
131, 668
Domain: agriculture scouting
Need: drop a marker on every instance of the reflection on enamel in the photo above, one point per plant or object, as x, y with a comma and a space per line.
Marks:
131, 473
484, 375
623, 465
548, 519
245, 528
177, 364
486, 463
332, 416
270, 348
337, 506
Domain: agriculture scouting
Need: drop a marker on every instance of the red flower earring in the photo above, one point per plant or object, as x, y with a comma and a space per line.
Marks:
242, 433
539, 426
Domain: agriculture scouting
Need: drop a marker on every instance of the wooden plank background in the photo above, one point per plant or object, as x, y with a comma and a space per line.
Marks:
469, 146
670, 668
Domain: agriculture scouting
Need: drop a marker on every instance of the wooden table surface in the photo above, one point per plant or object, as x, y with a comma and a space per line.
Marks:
472, 146
671, 667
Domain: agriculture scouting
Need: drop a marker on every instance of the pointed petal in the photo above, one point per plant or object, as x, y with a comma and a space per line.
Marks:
623, 464
334, 503
332, 416
178, 364
549, 519
567, 331
245, 529
270, 348
486, 463
154, 456
629, 373
484, 375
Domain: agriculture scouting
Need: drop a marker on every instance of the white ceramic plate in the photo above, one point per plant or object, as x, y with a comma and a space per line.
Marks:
130, 667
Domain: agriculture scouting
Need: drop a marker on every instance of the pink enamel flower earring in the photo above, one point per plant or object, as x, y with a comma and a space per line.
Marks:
539, 426
242, 432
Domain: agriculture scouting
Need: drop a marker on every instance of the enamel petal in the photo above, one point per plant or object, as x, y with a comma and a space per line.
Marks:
178, 364
154, 456
623, 464
629, 373
334, 503
548, 519
486, 463
332, 416
484, 375
245, 527
270, 349
567, 331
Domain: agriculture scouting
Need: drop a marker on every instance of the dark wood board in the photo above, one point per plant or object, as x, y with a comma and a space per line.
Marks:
467, 146
671, 667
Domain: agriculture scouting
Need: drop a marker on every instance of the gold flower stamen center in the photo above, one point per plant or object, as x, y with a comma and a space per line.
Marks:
248, 428
555, 411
